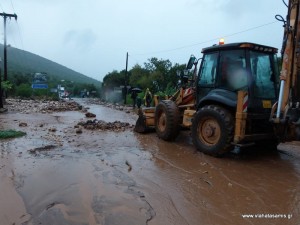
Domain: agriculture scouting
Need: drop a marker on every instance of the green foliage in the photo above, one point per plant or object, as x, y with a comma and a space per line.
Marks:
114, 79
11, 134
24, 90
39, 92
170, 90
159, 75
139, 77
53, 97
6, 85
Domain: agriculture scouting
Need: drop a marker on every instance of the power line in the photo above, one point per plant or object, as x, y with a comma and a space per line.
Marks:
18, 56
22, 58
19, 31
207, 41
12, 5
20, 35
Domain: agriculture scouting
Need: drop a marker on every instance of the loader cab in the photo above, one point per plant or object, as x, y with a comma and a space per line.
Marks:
226, 69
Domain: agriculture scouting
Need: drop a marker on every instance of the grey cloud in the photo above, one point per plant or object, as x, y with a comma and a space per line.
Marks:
229, 7
82, 40
238, 7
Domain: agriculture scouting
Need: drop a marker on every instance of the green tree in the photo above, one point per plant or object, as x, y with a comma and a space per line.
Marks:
114, 79
173, 78
161, 65
159, 72
136, 75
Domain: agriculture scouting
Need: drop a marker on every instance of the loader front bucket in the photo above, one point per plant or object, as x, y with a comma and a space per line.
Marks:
145, 122
140, 125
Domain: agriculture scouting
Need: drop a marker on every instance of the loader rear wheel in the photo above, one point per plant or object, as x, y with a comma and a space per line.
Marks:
167, 120
212, 130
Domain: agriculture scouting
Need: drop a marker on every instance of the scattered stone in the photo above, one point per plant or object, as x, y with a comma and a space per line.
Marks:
129, 166
51, 205
3, 110
90, 115
105, 126
53, 129
206, 181
89, 127
40, 149
23, 124
79, 131
40, 106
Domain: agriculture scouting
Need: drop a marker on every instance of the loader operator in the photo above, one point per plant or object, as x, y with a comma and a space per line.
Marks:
238, 76
235, 75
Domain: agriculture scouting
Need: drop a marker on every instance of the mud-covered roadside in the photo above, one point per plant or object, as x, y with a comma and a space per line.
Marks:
97, 176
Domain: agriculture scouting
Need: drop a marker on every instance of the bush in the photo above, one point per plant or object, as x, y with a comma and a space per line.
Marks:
24, 90
6, 85
39, 92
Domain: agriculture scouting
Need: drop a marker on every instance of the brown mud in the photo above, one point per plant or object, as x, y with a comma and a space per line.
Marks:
54, 175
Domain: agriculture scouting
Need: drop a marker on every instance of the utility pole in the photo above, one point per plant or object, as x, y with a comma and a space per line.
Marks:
126, 76
5, 16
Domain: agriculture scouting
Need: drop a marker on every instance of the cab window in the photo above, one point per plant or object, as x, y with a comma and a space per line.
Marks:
208, 72
263, 75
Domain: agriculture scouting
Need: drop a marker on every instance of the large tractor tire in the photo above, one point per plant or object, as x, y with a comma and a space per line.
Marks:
212, 130
167, 120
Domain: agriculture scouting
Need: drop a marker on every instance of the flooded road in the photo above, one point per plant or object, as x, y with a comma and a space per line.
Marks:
120, 178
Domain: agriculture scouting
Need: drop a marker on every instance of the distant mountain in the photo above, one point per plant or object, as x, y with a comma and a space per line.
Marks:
23, 62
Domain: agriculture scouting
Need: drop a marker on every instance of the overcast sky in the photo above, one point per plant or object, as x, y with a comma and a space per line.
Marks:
93, 36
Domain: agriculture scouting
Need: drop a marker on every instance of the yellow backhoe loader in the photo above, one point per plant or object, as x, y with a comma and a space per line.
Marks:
235, 99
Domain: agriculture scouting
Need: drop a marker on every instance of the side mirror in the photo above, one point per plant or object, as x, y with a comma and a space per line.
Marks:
191, 62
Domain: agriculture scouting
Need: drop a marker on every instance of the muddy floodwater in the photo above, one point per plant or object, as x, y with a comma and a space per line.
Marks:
54, 175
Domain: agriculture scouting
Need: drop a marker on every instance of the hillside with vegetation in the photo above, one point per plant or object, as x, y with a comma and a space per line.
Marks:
22, 66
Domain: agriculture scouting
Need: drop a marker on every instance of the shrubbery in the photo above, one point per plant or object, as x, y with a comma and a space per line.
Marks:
23, 90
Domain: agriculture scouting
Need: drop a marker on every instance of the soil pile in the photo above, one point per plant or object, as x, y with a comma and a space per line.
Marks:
105, 126
40, 106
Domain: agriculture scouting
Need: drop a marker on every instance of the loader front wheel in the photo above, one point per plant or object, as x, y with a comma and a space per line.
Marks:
167, 120
212, 130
